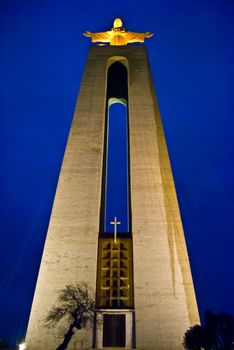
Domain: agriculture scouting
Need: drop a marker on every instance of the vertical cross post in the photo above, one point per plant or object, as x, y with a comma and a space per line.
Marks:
115, 223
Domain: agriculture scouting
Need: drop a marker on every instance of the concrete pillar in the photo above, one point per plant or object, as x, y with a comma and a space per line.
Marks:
165, 304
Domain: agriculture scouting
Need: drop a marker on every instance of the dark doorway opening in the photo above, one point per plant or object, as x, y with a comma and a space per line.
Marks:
114, 331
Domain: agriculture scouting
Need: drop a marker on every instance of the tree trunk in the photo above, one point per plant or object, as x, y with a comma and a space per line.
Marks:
67, 338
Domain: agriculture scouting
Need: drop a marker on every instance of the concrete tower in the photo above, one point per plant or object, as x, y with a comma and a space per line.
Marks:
144, 291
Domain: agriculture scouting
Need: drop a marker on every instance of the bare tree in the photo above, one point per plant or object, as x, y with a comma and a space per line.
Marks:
76, 306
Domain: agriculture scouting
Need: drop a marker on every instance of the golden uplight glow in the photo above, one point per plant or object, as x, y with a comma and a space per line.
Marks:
118, 36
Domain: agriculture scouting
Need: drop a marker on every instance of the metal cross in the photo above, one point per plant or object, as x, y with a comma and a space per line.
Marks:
115, 223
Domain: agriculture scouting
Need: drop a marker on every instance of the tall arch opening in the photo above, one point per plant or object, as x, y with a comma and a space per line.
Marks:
114, 275
116, 180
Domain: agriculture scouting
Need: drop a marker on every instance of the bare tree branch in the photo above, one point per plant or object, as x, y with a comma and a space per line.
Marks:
75, 304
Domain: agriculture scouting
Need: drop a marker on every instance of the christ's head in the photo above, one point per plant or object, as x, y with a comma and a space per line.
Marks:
118, 23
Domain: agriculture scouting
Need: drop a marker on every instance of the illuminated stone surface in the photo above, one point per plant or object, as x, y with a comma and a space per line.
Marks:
165, 304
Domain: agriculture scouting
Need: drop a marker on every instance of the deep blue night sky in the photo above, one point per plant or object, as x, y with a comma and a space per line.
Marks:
117, 195
42, 59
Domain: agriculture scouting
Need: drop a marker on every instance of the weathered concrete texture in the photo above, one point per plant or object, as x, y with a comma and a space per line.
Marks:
70, 253
165, 304
164, 294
